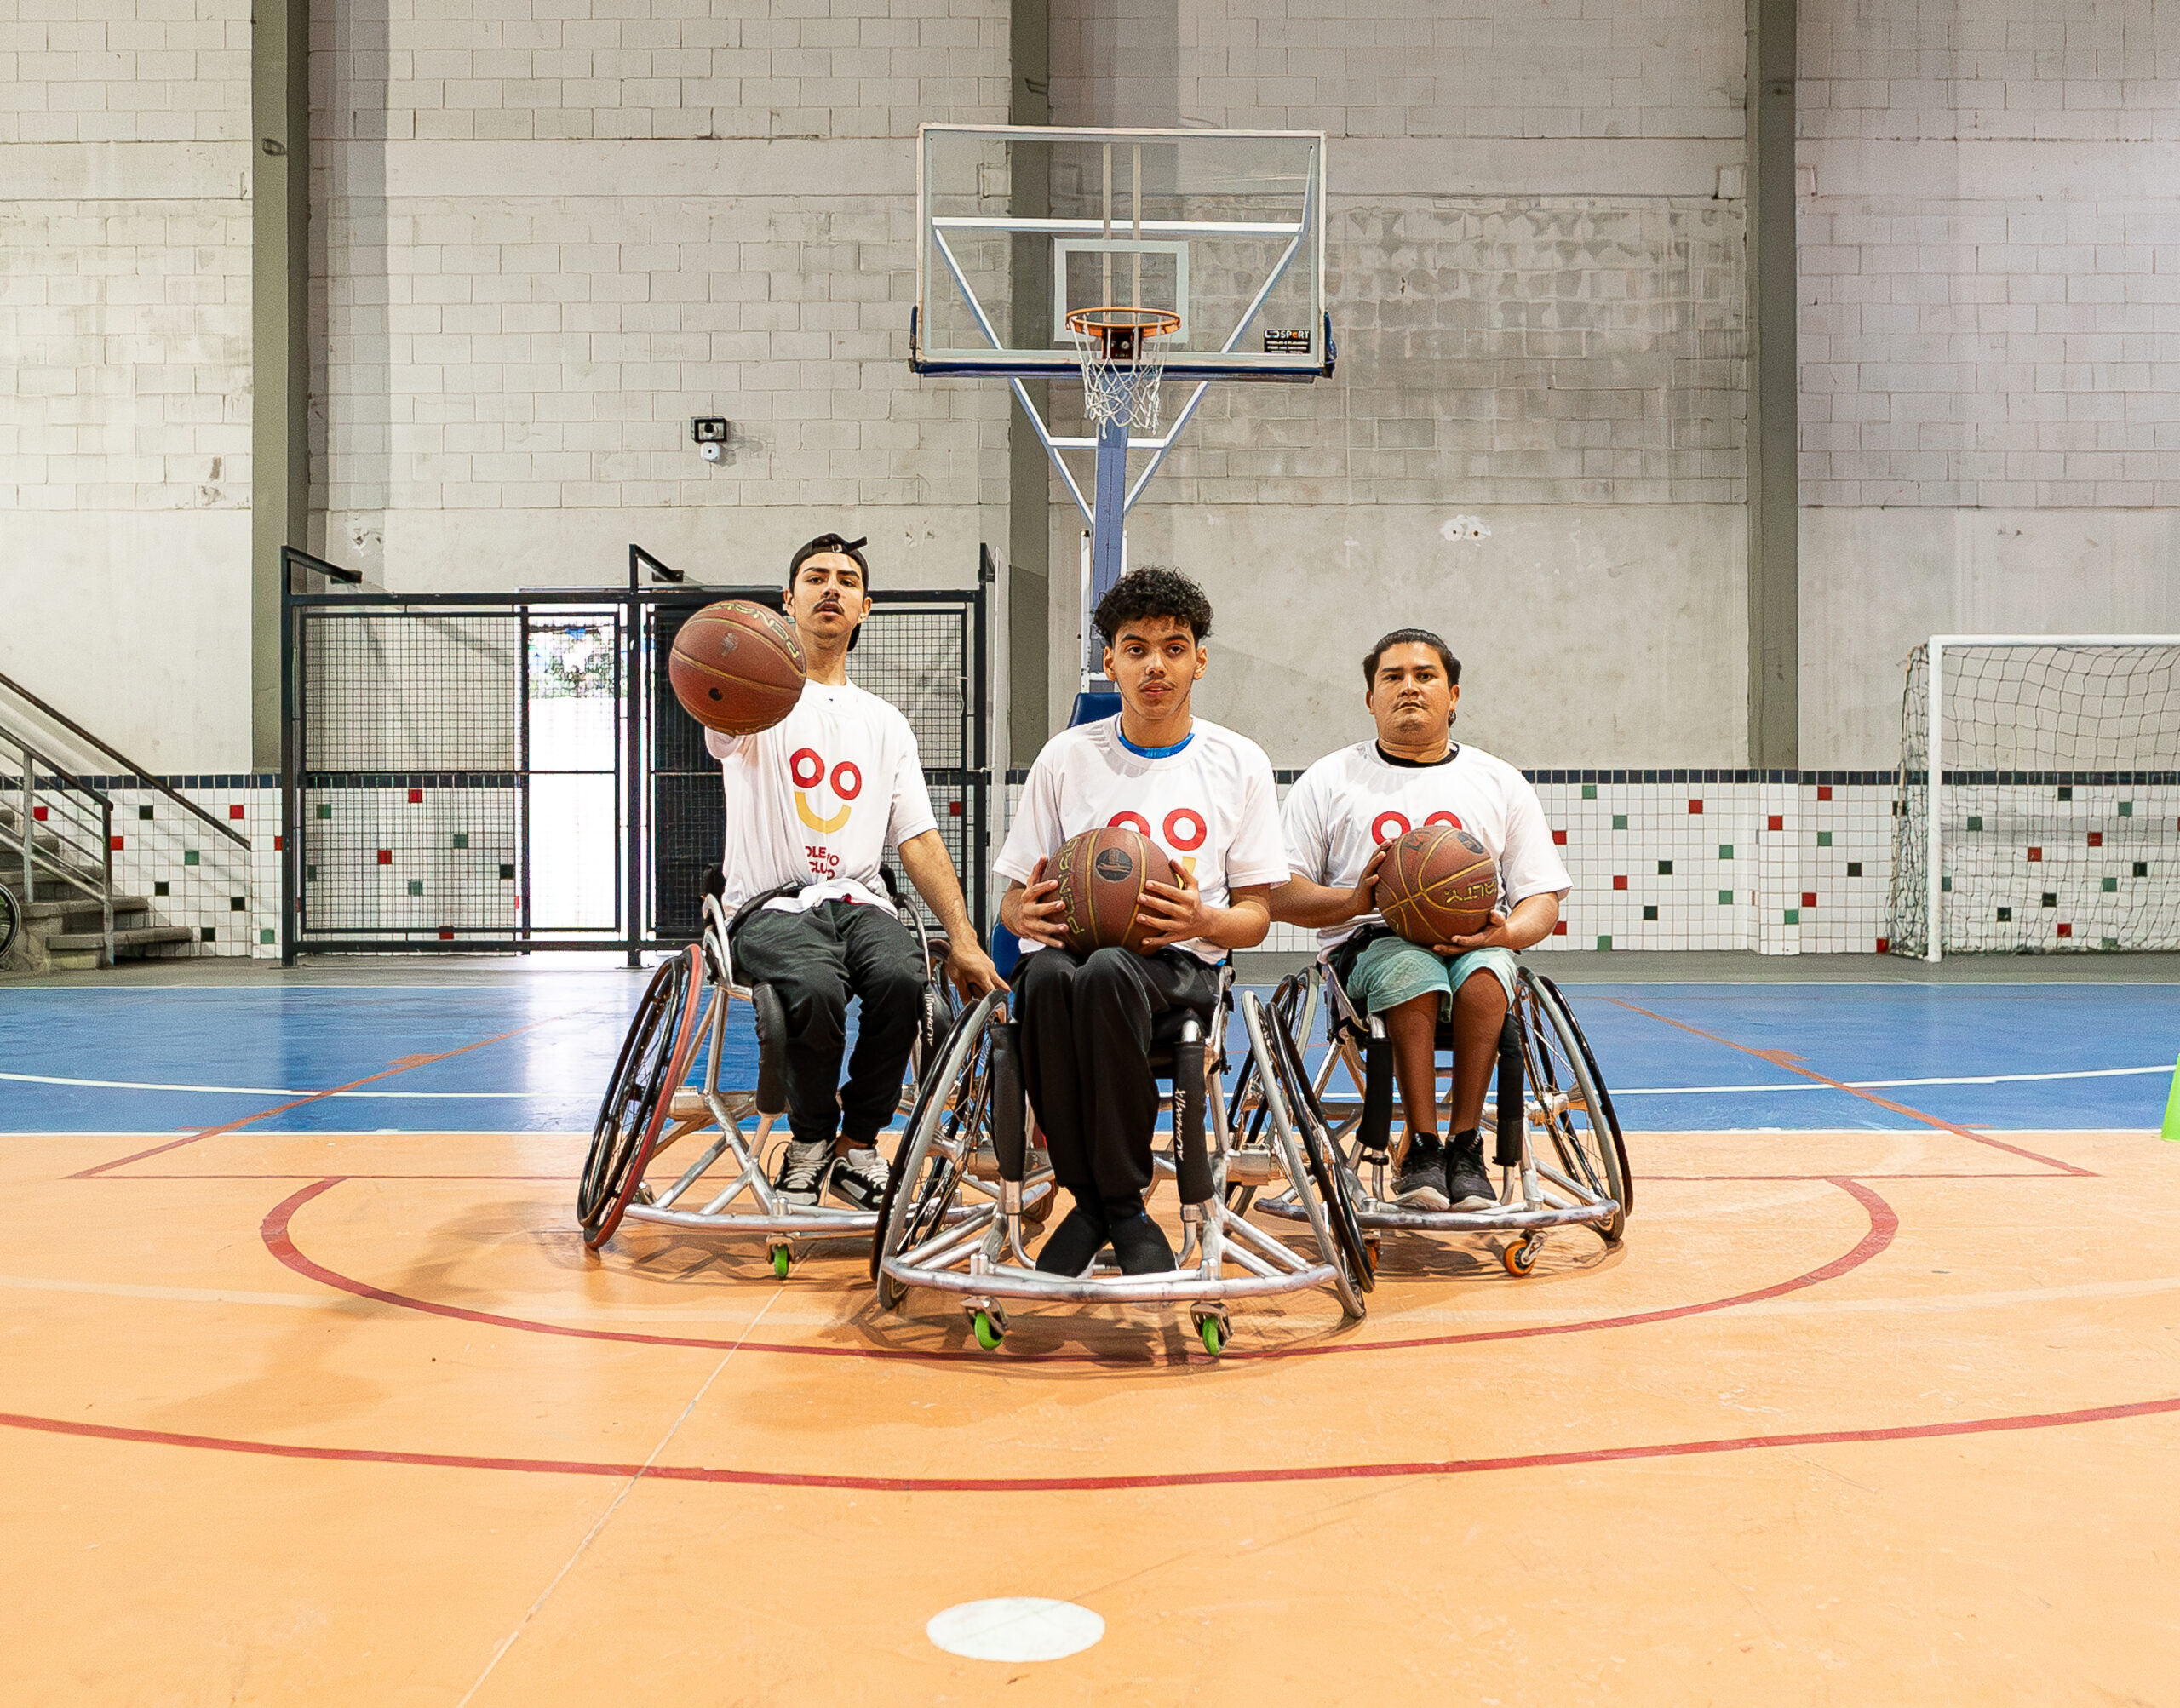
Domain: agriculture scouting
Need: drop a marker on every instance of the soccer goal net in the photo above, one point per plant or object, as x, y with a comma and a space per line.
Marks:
2039, 805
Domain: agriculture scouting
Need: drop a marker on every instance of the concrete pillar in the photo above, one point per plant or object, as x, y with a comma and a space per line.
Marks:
1774, 486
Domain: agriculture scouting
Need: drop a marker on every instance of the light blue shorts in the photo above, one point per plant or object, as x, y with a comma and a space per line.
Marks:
1392, 970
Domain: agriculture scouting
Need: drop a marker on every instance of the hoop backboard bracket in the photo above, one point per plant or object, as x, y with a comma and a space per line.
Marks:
1020, 226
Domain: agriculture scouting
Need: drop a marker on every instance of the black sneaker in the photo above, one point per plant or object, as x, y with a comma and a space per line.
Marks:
859, 1178
1141, 1245
1068, 1248
802, 1170
1467, 1186
1422, 1183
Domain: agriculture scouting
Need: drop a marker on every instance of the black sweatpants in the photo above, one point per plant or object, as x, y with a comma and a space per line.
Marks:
816, 960
1085, 1045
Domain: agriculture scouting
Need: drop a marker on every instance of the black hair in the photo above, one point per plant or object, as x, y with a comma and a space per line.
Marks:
1153, 593
847, 548
831, 542
1410, 637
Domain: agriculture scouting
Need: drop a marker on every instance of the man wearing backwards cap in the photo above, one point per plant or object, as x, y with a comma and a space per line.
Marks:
811, 805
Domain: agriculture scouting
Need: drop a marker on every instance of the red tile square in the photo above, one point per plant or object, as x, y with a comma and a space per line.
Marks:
386, 856
1809, 898
1824, 791
1775, 821
119, 843
446, 936
2096, 839
1695, 809
1620, 883
1560, 930
953, 808
1884, 945
2036, 853
416, 797
2066, 930
38, 814
234, 811
279, 842
1559, 839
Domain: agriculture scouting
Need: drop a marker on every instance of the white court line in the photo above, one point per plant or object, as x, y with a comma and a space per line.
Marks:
1631, 1092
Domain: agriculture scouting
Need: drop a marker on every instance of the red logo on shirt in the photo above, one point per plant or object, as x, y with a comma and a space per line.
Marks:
1386, 826
806, 766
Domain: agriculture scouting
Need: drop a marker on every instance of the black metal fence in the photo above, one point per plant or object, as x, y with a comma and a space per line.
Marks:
471, 772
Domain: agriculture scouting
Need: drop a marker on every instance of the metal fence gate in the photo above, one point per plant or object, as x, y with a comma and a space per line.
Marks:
458, 767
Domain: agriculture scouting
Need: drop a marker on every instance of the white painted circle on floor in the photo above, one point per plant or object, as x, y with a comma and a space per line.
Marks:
1015, 1628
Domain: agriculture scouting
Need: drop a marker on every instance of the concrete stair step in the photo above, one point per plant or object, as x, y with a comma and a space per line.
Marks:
84, 908
144, 937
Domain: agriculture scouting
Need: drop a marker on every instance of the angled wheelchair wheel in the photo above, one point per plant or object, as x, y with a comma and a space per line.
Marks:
1322, 1155
1582, 1140
654, 1059
949, 1119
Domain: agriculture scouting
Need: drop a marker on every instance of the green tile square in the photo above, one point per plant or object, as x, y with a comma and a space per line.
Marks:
1604, 943
1589, 791
461, 838
2110, 943
1725, 898
310, 874
1725, 850
326, 808
416, 887
1620, 820
1793, 916
1824, 838
265, 935
189, 857
2127, 809
1975, 821
2110, 885
1945, 885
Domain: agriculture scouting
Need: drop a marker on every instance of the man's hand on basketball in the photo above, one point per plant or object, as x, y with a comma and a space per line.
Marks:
971, 971
1493, 935
1363, 898
1175, 912
1038, 910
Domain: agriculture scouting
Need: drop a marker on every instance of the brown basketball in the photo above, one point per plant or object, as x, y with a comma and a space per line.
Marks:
1101, 874
1437, 884
737, 668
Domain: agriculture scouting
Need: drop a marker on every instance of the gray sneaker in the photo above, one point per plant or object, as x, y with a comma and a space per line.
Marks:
802, 1171
1422, 1183
859, 1178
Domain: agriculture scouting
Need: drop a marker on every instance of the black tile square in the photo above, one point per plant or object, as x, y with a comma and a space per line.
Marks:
2142, 869
1650, 913
1854, 868
2005, 915
2051, 898
161, 888
238, 904
1664, 868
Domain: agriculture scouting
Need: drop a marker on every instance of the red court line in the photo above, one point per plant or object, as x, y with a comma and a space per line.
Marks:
1057, 1485
1774, 1058
402, 1066
275, 1231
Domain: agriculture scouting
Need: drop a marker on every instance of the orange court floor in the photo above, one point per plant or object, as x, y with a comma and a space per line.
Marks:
1849, 1417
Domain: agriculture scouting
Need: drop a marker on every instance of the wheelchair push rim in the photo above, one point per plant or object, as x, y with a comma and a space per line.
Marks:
1291, 1102
1589, 1152
653, 1061
926, 1174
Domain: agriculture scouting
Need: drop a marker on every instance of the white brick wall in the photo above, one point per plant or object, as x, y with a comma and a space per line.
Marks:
124, 71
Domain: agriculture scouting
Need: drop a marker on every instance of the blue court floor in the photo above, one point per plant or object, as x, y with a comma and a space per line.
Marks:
531, 1054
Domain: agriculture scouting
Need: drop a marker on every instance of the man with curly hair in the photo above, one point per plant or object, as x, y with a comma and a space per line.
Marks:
1204, 795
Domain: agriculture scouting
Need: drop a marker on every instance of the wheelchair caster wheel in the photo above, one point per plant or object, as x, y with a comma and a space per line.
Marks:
1214, 1335
989, 1330
781, 1260
1521, 1259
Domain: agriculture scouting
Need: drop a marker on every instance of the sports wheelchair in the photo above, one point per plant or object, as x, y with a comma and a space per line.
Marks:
1563, 1161
649, 1105
969, 1177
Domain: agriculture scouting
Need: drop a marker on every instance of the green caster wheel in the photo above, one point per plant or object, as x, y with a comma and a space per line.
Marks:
1214, 1335
780, 1262
989, 1332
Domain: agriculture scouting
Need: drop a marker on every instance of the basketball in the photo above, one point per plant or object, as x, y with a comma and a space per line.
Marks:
1437, 884
1101, 874
737, 668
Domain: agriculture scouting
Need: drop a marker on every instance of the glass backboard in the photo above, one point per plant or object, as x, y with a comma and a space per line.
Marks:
1019, 225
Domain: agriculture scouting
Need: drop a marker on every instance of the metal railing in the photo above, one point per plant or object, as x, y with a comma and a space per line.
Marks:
56, 833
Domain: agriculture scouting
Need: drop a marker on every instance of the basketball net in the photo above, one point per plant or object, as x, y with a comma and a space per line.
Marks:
1122, 353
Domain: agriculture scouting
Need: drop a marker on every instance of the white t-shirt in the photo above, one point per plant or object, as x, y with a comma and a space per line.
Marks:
1349, 802
820, 795
1211, 806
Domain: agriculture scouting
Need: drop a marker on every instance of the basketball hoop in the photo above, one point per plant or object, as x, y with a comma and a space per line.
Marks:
1122, 360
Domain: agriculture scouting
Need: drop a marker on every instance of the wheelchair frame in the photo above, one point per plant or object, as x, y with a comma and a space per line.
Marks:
976, 1140
1590, 1186
747, 1202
